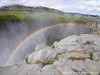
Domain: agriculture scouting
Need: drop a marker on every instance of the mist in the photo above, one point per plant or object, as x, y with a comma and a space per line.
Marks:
16, 32
46, 36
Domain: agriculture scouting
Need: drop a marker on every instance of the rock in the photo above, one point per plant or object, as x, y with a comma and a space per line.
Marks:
89, 42
51, 72
93, 65
96, 56
60, 63
69, 40
68, 43
44, 56
20, 69
81, 67
68, 71
49, 67
63, 67
73, 52
39, 46
75, 55
82, 42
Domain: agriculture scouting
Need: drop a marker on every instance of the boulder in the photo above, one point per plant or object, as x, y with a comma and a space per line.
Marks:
82, 42
89, 42
44, 56
69, 44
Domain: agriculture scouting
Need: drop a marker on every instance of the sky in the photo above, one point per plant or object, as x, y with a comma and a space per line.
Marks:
75, 6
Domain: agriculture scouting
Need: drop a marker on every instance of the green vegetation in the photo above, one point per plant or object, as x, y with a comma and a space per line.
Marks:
46, 15
89, 74
21, 13
84, 19
26, 60
4, 20
8, 18
57, 57
62, 18
37, 62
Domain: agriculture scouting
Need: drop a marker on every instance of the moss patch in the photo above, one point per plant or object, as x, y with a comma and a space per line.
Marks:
37, 62
57, 57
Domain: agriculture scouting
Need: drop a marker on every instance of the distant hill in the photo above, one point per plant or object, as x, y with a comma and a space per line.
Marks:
26, 14
38, 9
29, 9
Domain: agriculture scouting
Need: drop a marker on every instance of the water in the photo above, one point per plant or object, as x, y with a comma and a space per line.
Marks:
46, 36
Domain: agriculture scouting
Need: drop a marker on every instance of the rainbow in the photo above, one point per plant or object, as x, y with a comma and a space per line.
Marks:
30, 35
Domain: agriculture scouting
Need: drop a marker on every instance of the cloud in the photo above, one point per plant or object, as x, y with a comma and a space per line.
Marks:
11, 2
90, 5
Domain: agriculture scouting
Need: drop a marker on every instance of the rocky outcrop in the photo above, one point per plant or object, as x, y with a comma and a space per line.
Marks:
92, 24
74, 55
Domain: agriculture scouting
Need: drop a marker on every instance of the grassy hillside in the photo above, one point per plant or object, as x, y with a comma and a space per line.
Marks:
18, 13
